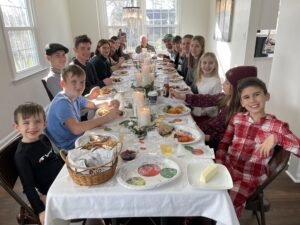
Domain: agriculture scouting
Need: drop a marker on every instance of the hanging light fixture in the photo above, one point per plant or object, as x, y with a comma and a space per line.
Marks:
131, 12
132, 16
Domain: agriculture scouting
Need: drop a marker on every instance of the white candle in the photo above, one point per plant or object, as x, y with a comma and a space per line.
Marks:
138, 101
144, 116
152, 77
138, 79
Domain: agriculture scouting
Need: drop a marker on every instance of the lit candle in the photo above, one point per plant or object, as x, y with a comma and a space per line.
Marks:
144, 116
138, 79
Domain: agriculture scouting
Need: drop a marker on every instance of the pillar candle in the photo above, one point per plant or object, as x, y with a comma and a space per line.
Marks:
144, 116
138, 101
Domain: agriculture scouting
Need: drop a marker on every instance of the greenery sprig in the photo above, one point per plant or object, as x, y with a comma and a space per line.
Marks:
141, 132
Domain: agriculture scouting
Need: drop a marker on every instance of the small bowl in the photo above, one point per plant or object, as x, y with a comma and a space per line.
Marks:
128, 155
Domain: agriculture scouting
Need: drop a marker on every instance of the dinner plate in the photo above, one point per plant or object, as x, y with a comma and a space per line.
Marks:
222, 179
181, 88
148, 172
175, 78
195, 134
168, 70
185, 111
175, 120
121, 73
84, 139
109, 93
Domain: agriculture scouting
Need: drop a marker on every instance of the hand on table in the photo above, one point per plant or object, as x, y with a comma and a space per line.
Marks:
175, 94
93, 93
114, 104
113, 114
108, 81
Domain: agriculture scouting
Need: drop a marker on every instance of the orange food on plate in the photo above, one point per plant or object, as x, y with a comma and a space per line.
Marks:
176, 110
185, 139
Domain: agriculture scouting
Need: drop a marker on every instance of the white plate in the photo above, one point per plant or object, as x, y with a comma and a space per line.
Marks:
121, 117
186, 110
121, 73
208, 153
175, 121
195, 133
222, 180
181, 88
130, 170
175, 78
84, 139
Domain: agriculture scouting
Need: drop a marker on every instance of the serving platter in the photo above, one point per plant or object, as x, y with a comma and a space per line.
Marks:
148, 172
221, 181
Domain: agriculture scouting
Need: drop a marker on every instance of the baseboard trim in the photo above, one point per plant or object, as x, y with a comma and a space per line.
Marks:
292, 177
5, 141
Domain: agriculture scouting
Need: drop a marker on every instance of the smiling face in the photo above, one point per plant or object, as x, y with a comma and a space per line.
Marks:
74, 85
31, 127
207, 66
82, 52
186, 44
253, 99
58, 59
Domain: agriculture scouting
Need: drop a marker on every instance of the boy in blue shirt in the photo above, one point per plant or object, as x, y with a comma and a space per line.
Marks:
64, 124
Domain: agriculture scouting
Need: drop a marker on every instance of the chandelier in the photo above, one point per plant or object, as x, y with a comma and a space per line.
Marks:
131, 13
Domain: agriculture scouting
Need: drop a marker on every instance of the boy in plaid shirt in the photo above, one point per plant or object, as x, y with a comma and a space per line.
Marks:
249, 140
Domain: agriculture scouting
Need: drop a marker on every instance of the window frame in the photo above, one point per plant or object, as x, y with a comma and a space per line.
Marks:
33, 28
142, 4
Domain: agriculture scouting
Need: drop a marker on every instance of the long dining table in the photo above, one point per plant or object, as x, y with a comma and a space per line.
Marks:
178, 198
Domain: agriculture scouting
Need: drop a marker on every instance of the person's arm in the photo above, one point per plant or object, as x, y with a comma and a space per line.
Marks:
26, 175
225, 142
78, 127
199, 100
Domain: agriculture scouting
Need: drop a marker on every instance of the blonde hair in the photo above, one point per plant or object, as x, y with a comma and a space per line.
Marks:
199, 72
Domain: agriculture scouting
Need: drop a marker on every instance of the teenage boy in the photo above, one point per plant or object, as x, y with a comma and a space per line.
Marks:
248, 143
82, 50
36, 162
56, 56
64, 123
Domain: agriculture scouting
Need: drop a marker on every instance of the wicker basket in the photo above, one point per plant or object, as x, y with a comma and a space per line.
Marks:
93, 177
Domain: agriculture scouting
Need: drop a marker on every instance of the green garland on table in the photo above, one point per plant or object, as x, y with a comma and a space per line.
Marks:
141, 132
147, 88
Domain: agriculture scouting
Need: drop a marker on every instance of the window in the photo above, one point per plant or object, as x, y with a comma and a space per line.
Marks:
19, 31
160, 17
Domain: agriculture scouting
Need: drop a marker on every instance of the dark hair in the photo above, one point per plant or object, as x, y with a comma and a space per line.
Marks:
81, 39
176, 39
114, 38
100, 44
27, 110
74, 70
190, 36
251, 82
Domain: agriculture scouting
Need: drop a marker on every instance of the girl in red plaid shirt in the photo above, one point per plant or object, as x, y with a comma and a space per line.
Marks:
248, 143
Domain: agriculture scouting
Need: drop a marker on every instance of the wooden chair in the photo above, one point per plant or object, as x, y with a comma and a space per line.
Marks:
47, 89
8, 178
257, 202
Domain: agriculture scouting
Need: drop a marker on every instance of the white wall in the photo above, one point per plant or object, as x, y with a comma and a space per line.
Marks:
285, 79
194, 17
52, 18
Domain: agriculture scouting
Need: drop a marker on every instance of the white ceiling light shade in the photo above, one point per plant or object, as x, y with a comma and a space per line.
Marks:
132, 13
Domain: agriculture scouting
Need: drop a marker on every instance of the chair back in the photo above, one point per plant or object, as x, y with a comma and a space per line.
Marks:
47, 89
8, 178
277, 164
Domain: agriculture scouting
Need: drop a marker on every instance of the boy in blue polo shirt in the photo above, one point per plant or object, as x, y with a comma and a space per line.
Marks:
64, 124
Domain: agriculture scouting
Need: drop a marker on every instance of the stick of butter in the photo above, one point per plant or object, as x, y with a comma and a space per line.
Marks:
208, 173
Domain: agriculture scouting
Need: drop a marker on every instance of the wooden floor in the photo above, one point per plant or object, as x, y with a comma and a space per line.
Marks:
283, 194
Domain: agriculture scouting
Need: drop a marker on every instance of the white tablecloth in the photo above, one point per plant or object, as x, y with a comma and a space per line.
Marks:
67, 200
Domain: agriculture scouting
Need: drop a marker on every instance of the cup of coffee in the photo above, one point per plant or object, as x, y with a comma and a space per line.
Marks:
152, 95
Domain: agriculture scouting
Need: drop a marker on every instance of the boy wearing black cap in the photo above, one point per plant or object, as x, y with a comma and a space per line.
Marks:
56, 56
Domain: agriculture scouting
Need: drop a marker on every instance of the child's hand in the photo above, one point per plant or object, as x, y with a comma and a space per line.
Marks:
115, 104
268, 144
42, 217
93, 93
177, 95
113, 114
108, 81
121, 60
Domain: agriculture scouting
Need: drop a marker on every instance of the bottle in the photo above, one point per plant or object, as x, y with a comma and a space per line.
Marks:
166, 87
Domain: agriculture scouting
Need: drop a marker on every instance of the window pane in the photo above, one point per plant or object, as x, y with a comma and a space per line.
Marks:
15, 15
114, 9
23, 49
